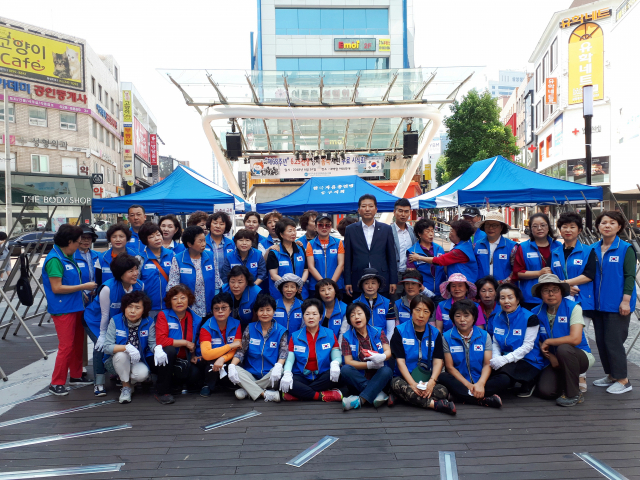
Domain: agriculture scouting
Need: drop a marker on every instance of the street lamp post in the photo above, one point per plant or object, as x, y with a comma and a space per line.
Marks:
587, 113
7, 164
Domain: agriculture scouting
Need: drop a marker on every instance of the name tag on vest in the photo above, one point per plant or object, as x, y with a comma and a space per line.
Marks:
445, 316
174, 326
253, 265
543, 330
115, 305
562, 319
353, 347
333, 250
408, 341
208, 268
273, 344
248, 310
188, 271
149, 266
121, 333
404, 315
381, 311
81, 264
278, 314
317, 252
517, 331
133, 240
106, 270
456, 349
483, 251
283, 263
216, 341
68, 267
556, 264
326, 345
502, 256
254, 341
498, 331
299, 348
167, 264
478, 348
235, 265
144, 333
532, 255
614, 259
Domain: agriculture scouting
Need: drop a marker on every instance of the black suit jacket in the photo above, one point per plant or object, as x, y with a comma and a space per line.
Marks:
381, 256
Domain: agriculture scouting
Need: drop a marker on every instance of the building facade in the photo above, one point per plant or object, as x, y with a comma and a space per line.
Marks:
508, 81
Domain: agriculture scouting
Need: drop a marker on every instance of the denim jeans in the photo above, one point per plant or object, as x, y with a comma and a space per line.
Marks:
367, 389
98, 364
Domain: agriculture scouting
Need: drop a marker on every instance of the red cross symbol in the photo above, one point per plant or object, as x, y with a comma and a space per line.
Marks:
576, 131
532, 148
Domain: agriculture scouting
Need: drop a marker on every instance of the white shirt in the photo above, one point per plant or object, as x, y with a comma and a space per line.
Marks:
368, 233
492, 249
404, 240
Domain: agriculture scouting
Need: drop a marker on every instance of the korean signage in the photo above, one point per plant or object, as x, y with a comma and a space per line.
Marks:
153, 149
47, 60
622, 10
110, 120
384, 44
15, 86
140, 140
127, 109
62, 95
551, 91
46, 104
287, 166
242, 182
585, 18
354, 44
586, 62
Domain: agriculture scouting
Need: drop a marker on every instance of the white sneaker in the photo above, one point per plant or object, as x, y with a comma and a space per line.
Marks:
125, 395
380, 399
604, 382
241, 394
618, 388
271, 396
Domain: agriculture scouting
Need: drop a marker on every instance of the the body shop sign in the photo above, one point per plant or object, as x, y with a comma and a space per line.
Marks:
140, 140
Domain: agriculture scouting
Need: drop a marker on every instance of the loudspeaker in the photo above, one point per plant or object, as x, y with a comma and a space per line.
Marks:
410, 146
234, 145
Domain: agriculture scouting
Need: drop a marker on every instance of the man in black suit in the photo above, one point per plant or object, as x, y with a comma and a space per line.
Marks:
369, 244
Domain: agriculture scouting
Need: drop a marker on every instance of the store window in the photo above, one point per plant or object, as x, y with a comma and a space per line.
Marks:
332, 21
112, 110
102, 171
102, 134
553, 51
538, 113
311, 64
40, 163
12, 116
38, 116
538, 77
99, 92
93, 85
108, 179
69, 166
549, 146
545, 67
545, 111
68, 121
106, 99
115, 73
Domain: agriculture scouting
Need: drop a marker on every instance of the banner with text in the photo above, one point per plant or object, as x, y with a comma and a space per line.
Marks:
287, 166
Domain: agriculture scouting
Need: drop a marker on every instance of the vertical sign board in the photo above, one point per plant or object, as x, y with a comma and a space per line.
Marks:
586, 62
153, 149
551, 91
127, 116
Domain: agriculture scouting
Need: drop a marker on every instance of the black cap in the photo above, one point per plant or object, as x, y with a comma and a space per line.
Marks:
324, 216
87, 230
471, 212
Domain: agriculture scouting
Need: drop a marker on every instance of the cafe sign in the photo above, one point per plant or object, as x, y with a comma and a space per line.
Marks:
354, 44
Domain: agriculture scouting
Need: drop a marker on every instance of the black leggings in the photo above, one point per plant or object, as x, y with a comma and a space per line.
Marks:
165, 373
496, 384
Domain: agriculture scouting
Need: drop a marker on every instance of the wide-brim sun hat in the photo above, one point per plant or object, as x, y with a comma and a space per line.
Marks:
550, 278
368, 273
455, 278
289, 277
492, 217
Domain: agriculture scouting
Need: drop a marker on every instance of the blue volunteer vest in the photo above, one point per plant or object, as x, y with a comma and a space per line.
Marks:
490, 319
292, 320
262, 353
104, 261
61, 303
325, 339
610, 277
325, 261
445, 308
227, 244
177, 247
468, 361
188, 274
561, 325
429, 281
402, 310
470, 268
134, 244
574, 267
412, 348
247, 299
266, 242
478, 236
217, 340
251, 262
533, 262
154, 283
378, 312
509, 331
122, 335
501, 258
337, 315
93, 315
175, 327
354, 344
83, 266
284, 267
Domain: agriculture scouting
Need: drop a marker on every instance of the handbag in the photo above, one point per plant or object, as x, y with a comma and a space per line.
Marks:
180, 370
23, 285
422, 372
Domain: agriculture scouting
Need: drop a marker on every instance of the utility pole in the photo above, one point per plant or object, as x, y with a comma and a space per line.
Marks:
7, 165
587, 113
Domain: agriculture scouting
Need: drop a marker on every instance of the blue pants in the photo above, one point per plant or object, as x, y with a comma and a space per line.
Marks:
98, 363
367, 389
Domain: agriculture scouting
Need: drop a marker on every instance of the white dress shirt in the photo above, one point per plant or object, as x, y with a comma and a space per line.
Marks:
404, 240
492, 249
368, 233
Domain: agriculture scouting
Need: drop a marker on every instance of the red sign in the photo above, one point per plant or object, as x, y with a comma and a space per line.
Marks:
153, 149
551, 92
98, 192
62, 95
140, 140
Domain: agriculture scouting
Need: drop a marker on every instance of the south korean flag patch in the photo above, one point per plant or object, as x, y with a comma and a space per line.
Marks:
478, 348
517, 331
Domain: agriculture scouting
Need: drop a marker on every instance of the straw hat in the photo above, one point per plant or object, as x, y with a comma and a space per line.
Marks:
550, 278
494, 216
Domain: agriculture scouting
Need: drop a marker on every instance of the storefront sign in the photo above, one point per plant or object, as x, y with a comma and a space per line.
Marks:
384, 44
140, 139
153, 149
551, 92
127, 111
242, 182
585, 17
84, 169
32, 55
62, 95
42, 200
15, 86
576, 170
12, 140
354, 44
586, 62
128, 135
364, 165
127, 168
98, 192
42, 103
110, 120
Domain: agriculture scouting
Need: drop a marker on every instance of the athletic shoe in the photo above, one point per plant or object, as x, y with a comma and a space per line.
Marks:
99, 391
84, 380
241, 394
333, 395
380, 399
125, 395
58, 390
444, 406
391, 402
526, 392
166, 399
270, 396
351, 402
565, 401
582, 383
287, 397
205, 392
494, 401
617, 388
604, 382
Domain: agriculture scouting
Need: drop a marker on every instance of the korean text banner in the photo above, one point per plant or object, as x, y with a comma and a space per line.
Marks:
586, 62
32, 56
140, 140
364, 165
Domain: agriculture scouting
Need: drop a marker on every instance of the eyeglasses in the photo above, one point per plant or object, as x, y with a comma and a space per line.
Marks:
551, 290
540, 226
220, 309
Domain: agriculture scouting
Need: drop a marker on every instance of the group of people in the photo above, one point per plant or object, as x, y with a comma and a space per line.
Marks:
383, 315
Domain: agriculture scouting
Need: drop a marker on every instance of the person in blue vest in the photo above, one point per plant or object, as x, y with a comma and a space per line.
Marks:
257, 365
136, 217
493, 251
467, 358
63, 287
382, 311
218, 244
461, 258
325, 254
563, 342
417, 349
473, 217
312, 368
177, 329
308, 224
86, 259
106, 305
432, 275
244, 254
194, 268
289, 306
616, 296
533, 257
243, 294
252, 222
171, 233
270, 220
488, 305
156, 266
516, 346
412, 287
130, 342
118, 236
456, 288
335, 310
288, 258
365, 350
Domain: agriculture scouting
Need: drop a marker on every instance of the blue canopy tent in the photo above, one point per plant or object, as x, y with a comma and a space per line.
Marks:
184, 191
330, 195
498, 182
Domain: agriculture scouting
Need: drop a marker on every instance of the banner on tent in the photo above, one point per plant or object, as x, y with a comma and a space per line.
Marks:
224, 207
288, 166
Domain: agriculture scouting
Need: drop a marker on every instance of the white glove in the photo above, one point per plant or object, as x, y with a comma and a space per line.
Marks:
223, 373
276, 373
377, 358
373, 365
334, 371
99, 346
159, 356
498, 362
427, 292
133, 352
286, 382
233, 374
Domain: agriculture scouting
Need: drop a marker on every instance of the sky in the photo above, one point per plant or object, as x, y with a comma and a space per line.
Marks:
145, 35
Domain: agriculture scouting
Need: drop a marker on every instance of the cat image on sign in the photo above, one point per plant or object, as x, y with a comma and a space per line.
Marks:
61, 65
74, 64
